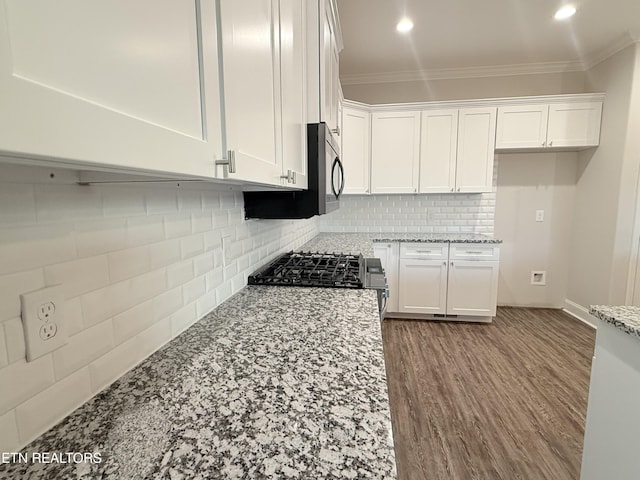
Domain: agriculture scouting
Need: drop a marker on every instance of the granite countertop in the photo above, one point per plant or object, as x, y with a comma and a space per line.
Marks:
274, 383
626, 318
363, 242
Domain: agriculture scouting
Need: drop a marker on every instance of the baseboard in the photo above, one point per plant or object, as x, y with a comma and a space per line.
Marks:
578, 311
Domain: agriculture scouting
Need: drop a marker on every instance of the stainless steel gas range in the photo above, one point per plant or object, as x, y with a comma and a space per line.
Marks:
331, 270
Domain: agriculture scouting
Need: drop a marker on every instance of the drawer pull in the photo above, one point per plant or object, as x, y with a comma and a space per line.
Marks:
474, 253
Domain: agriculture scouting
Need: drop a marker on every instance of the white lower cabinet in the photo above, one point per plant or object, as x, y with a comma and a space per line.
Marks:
472, 288
423, 286
448, 280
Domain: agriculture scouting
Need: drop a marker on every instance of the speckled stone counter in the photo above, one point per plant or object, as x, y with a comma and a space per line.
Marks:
362, 242
275, 383
626, 318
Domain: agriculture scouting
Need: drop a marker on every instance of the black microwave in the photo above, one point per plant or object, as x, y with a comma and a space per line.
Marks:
325, 176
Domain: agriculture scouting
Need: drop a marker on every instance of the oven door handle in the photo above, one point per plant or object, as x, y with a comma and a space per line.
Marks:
337, 163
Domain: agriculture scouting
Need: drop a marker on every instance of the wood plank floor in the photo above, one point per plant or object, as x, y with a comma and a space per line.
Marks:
505, 400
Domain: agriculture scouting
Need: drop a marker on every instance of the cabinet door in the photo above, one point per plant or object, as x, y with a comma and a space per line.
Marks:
252, 88
293, 90
395, 152
329, 71
388, 255
422, 286
476, 145
356, 150
574, 124
438, 145
522, 126
132, 85
472, 288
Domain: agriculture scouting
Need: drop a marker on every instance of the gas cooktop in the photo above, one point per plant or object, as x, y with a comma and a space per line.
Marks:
309, 269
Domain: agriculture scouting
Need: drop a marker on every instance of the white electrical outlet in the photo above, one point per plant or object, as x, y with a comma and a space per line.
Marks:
539, 215
43, 321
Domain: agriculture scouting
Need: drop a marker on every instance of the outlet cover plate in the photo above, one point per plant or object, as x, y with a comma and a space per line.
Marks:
43, 321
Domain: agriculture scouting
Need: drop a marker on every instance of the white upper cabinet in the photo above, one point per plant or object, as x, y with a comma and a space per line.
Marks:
294, 93
395, 152
574, 124
522, 126
356, 150
325, 42
438, 151
556, 125
251, 89
130, 85
476, 146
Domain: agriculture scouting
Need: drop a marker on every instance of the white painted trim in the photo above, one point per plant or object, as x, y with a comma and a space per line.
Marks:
484, 102
578, 311
628, 38
540, 68
463, 72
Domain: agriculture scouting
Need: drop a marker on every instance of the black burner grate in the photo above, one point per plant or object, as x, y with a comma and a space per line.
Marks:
308, 269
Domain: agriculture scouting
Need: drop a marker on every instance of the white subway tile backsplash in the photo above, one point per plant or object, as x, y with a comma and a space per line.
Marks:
164, 253
79, 276
50, 406
73, 316
192, 245
21, 381
189, 201
144, 230
154, 337
9, 439
167, 303
17, 204
4, 357
139, 265
55, 203
183, 318
203, 264
161, 201
114, 299
83, 348
205, 304
177, 226
95, 237
193, 290
133, 321
11, 286
129, 263
14, 336
123, 201
201, 221
24, 248
180, 273
113, 364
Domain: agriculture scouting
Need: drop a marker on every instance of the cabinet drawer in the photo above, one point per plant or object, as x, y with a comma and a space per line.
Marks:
426, 251
474, 251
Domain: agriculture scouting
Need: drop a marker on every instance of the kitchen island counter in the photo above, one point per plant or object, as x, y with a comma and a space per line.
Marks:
624, 317
275, 383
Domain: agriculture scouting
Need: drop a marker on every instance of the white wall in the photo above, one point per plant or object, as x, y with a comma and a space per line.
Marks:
606, 191
467, 88
139, 264
528, 182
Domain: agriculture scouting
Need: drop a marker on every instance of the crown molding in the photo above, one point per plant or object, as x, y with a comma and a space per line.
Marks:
481, 102
627, 39
463, 72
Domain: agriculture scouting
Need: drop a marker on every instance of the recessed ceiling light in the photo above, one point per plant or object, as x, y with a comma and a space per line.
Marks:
405, 25
565, 12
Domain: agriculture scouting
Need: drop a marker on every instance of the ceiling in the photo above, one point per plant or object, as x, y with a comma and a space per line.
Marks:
456, 38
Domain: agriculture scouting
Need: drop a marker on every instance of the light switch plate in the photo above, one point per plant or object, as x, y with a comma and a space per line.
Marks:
43, 321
